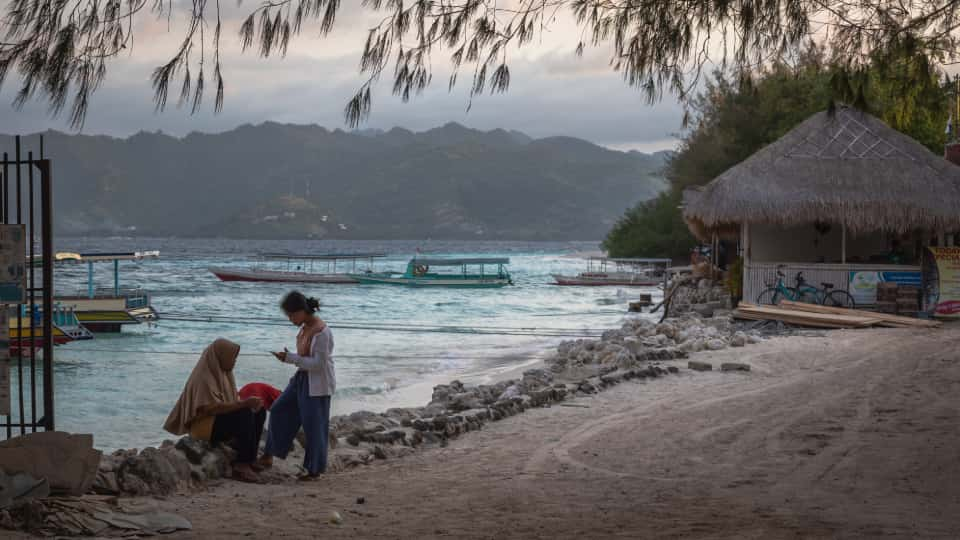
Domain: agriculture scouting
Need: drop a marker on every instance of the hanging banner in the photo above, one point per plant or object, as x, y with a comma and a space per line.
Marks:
941, 281
863, 284
13, 269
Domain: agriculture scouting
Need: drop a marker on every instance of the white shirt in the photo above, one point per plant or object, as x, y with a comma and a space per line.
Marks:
319, 365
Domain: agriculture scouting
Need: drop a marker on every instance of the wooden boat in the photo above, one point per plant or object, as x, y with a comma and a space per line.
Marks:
301, 268
66, 328
606, 272
109, 309
419, 274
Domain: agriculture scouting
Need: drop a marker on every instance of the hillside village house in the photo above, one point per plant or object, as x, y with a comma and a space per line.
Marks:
842, 197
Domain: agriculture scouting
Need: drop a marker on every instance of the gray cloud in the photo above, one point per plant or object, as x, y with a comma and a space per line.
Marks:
553, 92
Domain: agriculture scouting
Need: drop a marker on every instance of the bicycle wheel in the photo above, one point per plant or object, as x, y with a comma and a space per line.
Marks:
841, 299
770, 297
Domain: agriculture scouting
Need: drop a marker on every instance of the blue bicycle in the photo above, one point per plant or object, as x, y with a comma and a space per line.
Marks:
804, 292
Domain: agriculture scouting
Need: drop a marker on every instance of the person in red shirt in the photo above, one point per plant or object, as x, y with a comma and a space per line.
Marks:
264, 391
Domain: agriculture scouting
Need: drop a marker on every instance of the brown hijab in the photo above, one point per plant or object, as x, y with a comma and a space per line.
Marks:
306, 334
211, 382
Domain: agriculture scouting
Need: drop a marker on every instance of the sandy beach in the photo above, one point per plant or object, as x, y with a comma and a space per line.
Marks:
852, 434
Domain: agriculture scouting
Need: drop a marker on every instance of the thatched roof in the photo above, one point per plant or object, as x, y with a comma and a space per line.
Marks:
848, 167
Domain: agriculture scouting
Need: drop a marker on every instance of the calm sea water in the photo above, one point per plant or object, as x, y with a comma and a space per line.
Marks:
120, 387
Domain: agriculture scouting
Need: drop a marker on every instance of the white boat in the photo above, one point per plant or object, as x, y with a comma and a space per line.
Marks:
301, 268
608, 272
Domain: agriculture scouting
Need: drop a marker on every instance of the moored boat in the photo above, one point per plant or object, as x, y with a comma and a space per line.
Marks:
26, 328
109, 309
301, 268
472, 273
608, 272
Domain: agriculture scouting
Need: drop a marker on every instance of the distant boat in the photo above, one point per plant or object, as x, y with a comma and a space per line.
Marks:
472, 273
607, 272
301, 268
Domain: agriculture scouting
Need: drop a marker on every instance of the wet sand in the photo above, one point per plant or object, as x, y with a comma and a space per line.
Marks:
850, 435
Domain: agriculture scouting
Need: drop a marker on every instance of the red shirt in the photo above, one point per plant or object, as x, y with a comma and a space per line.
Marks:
264, 391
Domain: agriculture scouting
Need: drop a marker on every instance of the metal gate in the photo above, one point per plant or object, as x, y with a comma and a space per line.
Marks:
26, 199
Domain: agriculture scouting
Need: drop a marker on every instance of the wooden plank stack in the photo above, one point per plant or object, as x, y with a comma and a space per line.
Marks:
887, 297
908, 300
817, 316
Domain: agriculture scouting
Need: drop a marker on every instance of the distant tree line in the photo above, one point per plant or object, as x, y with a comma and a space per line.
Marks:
736, 115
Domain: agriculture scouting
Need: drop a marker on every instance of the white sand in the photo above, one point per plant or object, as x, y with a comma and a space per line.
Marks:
851, 435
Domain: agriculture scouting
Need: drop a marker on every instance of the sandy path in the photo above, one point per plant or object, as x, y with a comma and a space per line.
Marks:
852, 435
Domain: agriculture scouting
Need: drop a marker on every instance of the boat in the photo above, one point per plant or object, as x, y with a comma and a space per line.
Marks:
419, 273
612, 272
107, 310
301, 268
23, 336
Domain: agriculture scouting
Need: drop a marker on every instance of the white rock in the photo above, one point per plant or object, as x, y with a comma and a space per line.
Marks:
716, 344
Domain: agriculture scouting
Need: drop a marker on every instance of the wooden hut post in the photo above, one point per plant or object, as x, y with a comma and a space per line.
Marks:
843, 242
745, 242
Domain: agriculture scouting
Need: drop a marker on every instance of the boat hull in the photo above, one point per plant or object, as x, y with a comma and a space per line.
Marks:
22, 337
108, 315
604, 282
490, 283
269, 276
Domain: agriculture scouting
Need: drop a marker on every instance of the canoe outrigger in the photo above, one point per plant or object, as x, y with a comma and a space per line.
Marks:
419, 274
301, 273
107, 310
625, 273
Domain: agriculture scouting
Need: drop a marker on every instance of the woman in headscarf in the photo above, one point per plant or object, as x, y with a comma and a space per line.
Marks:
210, 409
306, 401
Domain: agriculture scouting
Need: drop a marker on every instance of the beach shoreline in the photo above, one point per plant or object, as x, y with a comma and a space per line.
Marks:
850, 434
841, 433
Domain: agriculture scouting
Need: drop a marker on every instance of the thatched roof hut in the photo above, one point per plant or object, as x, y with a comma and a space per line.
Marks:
847, 167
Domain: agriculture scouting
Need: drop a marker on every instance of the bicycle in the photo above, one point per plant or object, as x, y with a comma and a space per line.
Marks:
804, 292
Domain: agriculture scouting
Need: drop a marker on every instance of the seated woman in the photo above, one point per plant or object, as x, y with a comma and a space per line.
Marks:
210, 409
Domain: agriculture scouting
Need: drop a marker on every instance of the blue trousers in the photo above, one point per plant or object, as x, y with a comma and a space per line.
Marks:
293, 409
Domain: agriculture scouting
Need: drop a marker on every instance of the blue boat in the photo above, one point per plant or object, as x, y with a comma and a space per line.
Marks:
470, 273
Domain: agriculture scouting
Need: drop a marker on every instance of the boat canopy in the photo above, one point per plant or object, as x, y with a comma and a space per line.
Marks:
323, 256
115, 258
460, 262
106, 257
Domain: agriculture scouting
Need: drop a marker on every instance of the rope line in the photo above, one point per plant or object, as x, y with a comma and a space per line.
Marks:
401, 327
267, 353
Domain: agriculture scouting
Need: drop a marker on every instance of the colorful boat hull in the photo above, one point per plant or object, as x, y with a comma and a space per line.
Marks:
109, 315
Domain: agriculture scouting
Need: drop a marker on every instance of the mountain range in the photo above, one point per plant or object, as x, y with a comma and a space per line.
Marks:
297, 181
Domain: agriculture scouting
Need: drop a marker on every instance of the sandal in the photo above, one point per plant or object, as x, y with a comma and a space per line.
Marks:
308, 477
249, 477
262, 464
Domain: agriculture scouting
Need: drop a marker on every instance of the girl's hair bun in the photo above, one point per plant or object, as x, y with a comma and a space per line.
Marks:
295, 301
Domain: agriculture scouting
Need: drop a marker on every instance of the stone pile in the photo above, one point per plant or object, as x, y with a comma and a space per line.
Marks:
707, 298
640, 341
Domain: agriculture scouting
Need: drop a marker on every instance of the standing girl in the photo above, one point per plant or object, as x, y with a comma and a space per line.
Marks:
306, 401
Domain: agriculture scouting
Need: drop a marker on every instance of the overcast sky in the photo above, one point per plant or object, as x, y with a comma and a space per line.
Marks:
552, 92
